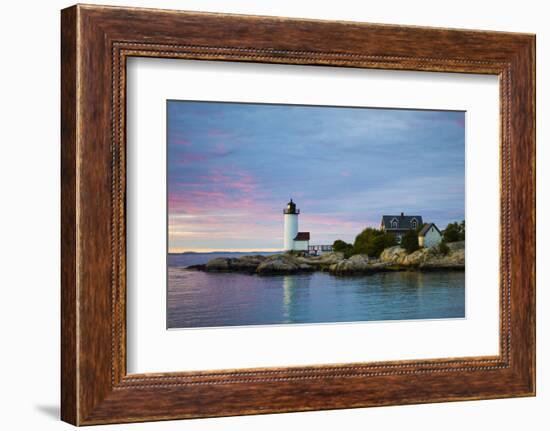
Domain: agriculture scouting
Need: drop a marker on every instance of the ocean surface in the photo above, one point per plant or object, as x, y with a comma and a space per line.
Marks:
198, 299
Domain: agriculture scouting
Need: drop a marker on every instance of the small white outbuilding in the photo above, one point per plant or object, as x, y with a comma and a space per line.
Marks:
301, 241
429, 235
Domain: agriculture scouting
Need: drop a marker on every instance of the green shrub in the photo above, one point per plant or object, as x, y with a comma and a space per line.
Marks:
455, 232
443, 248
340, 246
409, 241
372, 242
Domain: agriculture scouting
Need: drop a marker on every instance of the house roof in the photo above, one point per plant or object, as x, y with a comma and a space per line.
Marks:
426, 228
302, 236
403, 221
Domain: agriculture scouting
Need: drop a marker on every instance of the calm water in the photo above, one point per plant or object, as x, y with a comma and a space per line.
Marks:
199, 299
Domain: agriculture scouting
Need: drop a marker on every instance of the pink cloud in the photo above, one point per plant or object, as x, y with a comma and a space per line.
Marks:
224, 203
188, 158
182, 142
221, 149
217, 133
245, 219
215, 192
236, 181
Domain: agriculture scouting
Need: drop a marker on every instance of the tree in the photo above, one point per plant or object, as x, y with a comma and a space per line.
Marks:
372, 242
455, 232
383, 241
343, 247
364, 242
409, 241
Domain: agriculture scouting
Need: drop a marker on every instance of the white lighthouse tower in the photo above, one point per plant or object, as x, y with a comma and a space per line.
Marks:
293, 239
291, 225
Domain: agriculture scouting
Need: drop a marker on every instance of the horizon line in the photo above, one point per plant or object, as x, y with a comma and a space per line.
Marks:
217, 250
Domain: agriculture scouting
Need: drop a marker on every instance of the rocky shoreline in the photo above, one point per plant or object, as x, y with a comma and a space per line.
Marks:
391, 259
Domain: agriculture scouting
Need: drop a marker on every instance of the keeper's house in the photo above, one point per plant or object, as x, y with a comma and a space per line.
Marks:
399, 225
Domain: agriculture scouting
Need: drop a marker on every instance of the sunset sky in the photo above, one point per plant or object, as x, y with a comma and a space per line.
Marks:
233, 167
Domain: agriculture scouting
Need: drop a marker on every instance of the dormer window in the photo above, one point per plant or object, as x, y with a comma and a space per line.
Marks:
414, 224
394, 224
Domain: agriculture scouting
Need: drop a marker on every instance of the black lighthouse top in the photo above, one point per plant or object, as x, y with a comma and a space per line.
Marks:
291, 208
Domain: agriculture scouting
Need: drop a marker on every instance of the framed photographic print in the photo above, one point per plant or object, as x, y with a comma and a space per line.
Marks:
266, 215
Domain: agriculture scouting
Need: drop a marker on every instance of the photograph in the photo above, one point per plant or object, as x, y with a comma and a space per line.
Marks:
284, 214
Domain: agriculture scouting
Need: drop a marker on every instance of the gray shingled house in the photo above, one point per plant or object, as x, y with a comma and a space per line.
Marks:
399, 225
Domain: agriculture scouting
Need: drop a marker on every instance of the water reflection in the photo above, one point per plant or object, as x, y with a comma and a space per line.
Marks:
198, 299
295, 291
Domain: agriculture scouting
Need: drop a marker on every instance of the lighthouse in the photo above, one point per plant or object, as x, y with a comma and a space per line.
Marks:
294, 240
291, 225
